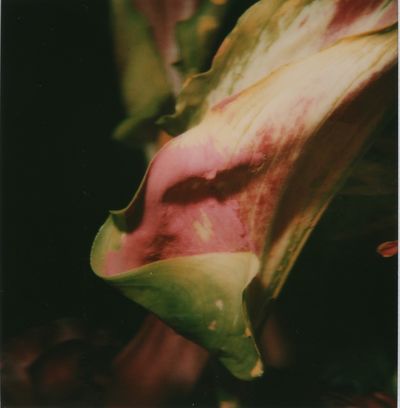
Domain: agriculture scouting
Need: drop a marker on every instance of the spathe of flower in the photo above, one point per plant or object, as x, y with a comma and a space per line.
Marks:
235, 197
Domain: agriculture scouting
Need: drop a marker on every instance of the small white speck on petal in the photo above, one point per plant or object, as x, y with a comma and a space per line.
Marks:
220, 304
257, 370
212, 325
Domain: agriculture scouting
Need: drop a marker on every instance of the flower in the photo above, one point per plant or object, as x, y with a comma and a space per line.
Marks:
274, 127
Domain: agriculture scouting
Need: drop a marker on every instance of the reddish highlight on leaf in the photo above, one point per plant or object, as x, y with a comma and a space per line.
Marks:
388, 249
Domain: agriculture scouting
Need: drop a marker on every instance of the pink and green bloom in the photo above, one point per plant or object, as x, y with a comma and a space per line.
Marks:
267, 136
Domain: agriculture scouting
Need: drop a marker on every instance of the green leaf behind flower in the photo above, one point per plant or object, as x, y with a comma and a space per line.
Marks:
159, 43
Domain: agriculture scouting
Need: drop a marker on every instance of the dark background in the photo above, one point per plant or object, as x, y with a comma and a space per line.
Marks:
61, 173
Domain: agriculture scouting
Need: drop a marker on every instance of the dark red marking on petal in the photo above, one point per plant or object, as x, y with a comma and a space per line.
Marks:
220, 187
219, 107
347, 11
304, 21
